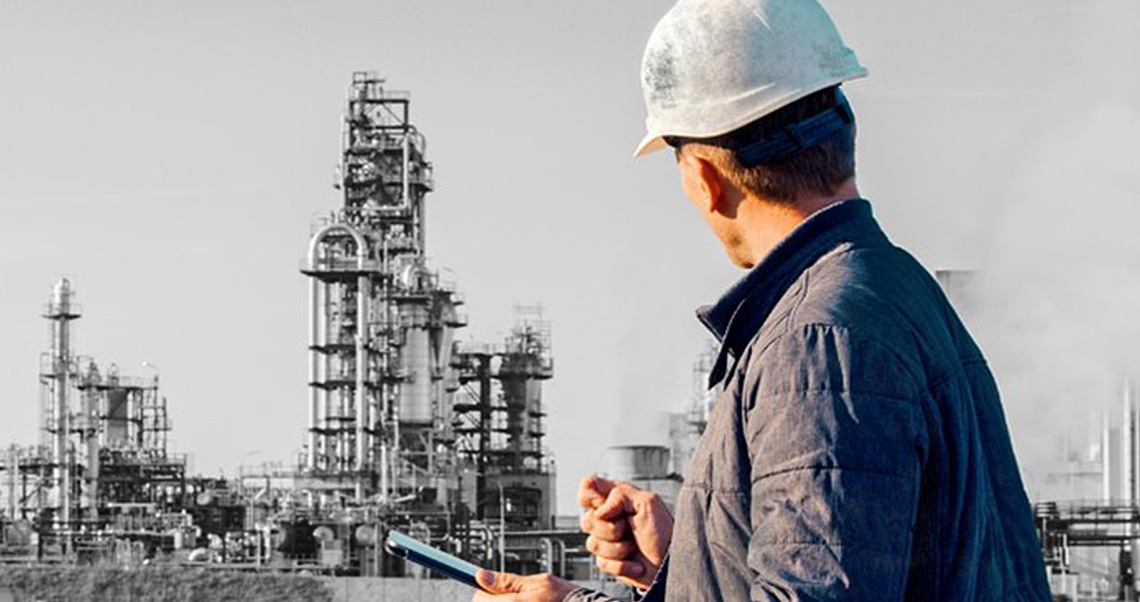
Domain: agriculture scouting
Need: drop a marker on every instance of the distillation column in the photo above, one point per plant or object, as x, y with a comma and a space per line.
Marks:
377, 316
61, 310
331, 327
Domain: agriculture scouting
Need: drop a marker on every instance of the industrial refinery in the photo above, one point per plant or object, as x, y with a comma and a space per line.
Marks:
408, 427
411, 426
102, 477
1091, 535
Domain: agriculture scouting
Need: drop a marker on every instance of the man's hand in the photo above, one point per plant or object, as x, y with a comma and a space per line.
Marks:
629, 529
508, 587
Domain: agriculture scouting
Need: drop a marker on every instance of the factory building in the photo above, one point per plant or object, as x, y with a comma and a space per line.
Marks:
410, 427
102, 469
1089, 518
407, 427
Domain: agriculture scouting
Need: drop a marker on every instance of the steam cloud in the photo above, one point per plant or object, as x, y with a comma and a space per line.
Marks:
1061, 289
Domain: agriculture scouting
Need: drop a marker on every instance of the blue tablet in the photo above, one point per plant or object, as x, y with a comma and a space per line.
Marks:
439, 561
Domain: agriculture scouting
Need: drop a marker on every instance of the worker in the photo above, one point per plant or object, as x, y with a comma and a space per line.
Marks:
857, 450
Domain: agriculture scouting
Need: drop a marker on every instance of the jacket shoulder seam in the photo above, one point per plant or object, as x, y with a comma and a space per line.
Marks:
906, 401
958, 367
796, 542
852, 334
703, 487
761, 477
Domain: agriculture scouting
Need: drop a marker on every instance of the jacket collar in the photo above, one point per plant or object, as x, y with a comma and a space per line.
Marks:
738, 315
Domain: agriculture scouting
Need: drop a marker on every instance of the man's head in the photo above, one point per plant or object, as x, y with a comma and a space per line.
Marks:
719, 176
746, 91
818, 170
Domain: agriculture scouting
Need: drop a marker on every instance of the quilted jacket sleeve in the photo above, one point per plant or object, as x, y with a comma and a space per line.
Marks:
835, 438
587, 595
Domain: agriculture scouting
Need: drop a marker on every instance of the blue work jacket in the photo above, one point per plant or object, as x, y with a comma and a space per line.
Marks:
858, 450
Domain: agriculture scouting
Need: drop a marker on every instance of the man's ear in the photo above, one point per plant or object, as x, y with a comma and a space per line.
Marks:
706, 185
714, 187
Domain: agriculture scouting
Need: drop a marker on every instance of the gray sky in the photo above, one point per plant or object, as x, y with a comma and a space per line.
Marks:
168, 157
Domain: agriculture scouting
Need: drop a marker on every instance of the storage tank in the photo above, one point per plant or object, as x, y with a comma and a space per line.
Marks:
637, 462
520, 375
415, 358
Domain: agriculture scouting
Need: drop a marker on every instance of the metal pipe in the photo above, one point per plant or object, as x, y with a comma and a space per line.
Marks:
362, 443
62, 458
1133, 476
93, 461
407, 201
502, 529
314, 367
1134, 450
383, 473
327, 438
385, 470
395, 455
548, 549
361, 330
1105, 458
1126, 435
13, 470
393, 314
60, 312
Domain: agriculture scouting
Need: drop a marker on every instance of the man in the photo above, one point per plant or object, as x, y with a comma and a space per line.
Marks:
857, 450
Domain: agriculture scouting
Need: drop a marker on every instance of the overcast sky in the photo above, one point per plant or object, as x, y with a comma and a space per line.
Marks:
168, 158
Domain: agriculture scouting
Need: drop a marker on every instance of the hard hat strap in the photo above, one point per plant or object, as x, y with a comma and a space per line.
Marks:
795, 138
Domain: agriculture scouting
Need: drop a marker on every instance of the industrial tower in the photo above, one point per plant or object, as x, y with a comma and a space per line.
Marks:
103, 453
381, 323
406, 426
58, 372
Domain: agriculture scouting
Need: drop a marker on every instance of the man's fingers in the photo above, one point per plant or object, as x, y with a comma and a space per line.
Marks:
609, 530
618, 550
593, 491
621, 568
498, 583
618, 502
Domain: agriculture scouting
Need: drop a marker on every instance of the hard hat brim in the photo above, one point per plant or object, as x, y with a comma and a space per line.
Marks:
650, 143
655, 139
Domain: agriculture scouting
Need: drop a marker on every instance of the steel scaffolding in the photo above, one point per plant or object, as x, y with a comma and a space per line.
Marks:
381, 322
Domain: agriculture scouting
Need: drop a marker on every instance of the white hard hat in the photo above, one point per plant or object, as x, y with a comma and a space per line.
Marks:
712, 66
